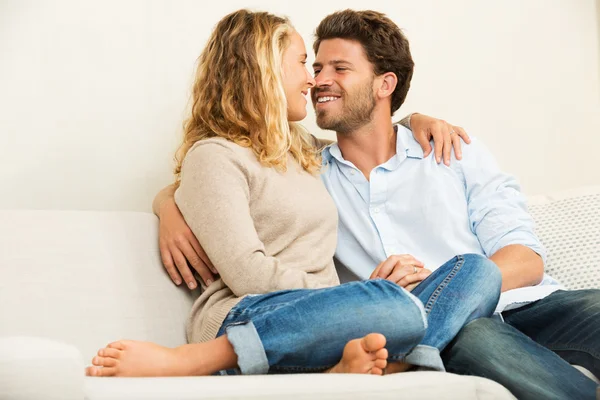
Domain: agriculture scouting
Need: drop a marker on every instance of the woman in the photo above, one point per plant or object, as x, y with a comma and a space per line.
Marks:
270, 231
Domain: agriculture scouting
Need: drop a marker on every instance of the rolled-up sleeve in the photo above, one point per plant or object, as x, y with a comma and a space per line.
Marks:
497, 209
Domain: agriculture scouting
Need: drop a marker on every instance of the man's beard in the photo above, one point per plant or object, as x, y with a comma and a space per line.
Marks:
357, 111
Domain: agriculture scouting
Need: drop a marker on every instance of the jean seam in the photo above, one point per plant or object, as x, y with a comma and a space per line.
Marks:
397, 357
436, 293
589, 351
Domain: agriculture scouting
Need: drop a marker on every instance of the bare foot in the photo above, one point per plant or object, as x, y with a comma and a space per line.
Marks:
131, 358
363, 356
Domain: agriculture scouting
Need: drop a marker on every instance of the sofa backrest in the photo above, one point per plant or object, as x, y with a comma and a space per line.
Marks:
87, 278
568, 225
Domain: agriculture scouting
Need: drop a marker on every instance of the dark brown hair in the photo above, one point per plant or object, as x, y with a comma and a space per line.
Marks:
384, 44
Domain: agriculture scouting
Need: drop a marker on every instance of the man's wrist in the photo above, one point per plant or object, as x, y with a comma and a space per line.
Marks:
405, 122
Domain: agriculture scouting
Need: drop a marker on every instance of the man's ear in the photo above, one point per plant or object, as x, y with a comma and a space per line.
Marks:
389, 80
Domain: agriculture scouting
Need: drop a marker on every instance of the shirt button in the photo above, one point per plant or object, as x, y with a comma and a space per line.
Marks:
352, 172
376, 210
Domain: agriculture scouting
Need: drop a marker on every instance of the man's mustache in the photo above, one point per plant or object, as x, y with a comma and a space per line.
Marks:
314, 92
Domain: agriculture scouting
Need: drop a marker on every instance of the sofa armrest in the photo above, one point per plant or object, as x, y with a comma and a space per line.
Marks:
37, 368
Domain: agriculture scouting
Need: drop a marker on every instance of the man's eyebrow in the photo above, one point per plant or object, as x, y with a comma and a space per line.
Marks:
332, 62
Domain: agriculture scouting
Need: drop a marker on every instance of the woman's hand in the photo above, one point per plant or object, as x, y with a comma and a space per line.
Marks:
404, 270
445, 136
179, 246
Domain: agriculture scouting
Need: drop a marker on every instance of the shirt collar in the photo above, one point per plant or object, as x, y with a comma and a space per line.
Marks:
406, 146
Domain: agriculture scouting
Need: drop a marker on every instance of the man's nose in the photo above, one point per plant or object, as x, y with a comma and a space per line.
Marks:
323, 80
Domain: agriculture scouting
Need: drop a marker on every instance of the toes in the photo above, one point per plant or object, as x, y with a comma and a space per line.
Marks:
380, 363
105, 361
119, 345
373, 342
382, 354
97, 371
110, 352
376, 371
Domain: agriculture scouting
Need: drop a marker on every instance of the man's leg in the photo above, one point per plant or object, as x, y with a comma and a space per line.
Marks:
566, 322
489, 348
463, 289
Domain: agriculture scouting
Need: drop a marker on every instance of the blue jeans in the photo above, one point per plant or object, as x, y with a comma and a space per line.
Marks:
531, 351
306, 330
463, 289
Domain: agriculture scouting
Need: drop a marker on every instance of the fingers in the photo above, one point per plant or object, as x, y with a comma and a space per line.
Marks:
393, 262
410, 279
201, 253
399, 273
447, 149
463, 135
422, 137
438, 141
196, 262
459, 133
376, 271
387, 267
167, 260
183, 267
457, 146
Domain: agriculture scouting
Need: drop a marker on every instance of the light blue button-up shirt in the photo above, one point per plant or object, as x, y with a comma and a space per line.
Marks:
413, 205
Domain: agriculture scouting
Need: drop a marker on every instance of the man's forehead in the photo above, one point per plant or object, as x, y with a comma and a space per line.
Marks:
337, 50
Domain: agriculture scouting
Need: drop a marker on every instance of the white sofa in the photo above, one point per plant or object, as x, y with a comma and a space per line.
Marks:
72, 281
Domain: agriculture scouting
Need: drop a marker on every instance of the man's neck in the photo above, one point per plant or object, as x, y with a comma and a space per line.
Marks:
369, 146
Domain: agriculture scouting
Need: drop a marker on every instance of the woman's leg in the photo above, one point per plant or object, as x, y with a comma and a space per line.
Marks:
306, 330
289, 331
463, 289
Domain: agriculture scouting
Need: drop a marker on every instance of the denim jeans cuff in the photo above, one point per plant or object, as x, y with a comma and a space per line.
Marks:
252, 358
426, 358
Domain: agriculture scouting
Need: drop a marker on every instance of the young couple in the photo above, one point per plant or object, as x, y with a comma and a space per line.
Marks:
260, 196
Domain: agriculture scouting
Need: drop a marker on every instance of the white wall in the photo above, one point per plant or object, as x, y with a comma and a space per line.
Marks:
92, 94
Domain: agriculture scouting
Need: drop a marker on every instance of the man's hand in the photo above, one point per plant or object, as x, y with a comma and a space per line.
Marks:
179, 246
445, 136
404, 270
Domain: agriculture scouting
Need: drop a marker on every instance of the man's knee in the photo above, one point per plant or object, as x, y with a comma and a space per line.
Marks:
484, 276
478, 333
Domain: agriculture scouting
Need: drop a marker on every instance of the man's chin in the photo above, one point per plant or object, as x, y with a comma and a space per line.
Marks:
326, 123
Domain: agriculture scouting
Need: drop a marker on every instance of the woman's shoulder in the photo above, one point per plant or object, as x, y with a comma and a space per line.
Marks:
217, 150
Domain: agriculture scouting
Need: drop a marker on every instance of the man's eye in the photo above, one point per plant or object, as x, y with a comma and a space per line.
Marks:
340, 69
316, 72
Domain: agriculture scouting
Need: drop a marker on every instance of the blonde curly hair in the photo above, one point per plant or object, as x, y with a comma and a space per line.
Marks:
238, 93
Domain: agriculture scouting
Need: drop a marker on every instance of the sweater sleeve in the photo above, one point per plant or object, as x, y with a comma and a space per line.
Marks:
214, 198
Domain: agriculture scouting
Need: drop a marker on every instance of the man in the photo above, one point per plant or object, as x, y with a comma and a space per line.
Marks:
394, 201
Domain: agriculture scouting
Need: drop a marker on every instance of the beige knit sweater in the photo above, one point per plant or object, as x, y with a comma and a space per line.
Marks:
263, 230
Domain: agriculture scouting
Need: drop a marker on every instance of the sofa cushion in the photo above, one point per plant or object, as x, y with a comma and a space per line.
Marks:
410, 385
38, 368
87, 278
568, 225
